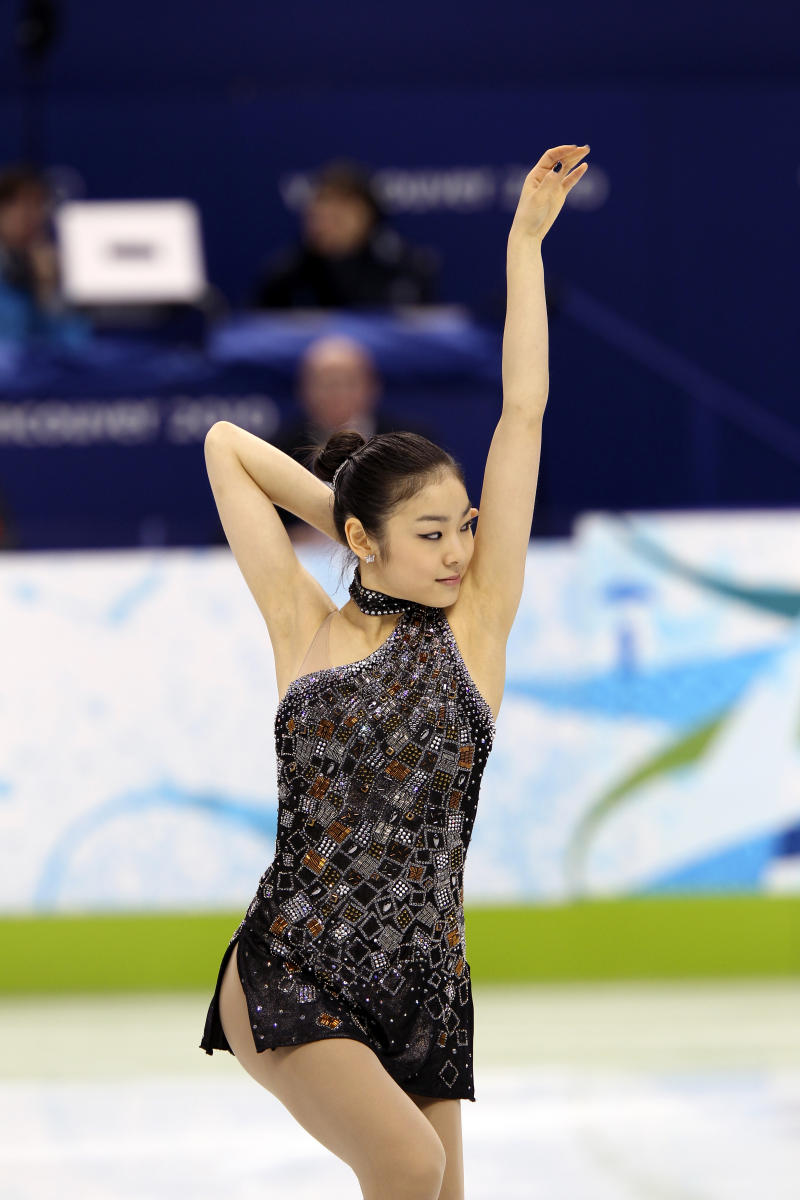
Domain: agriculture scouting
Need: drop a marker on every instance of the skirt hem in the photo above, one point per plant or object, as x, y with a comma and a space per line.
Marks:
214, 1036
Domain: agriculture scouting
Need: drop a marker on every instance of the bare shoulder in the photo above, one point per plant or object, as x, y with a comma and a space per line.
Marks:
481, 641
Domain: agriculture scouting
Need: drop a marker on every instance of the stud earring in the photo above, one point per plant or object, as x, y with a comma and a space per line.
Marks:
370, 558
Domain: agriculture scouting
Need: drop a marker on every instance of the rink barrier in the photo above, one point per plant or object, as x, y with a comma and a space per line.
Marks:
655, 938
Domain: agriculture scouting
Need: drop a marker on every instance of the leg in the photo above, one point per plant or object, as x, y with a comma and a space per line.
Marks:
338, 1090
445, 1117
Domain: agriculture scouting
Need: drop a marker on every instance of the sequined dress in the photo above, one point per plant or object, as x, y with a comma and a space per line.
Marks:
356, 928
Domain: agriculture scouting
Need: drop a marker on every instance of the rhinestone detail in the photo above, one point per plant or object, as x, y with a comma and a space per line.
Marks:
357, 926
376, 603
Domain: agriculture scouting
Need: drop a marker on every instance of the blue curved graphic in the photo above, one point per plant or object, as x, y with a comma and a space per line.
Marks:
778, 600
253, 817
123, 606
739, 866
681, 695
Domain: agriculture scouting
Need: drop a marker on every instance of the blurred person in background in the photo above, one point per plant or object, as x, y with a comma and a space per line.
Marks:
9, 539
31, 305
28, 258
347, 256
338, 385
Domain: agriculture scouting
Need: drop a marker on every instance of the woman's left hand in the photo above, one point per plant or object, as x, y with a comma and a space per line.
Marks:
544, 190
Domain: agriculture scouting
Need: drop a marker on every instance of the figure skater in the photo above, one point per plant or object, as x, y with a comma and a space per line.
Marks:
350, 964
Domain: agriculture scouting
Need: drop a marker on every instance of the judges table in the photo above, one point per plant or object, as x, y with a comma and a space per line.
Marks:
101, 442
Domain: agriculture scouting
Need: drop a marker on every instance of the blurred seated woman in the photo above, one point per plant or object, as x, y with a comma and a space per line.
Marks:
31, 306
347, 256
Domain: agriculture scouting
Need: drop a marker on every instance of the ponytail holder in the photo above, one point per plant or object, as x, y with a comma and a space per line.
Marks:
338, 469
351, 455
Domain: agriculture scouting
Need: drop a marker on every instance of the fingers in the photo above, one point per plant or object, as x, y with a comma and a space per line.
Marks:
557, 152
571, 155
568, 156
569, 172
575, 176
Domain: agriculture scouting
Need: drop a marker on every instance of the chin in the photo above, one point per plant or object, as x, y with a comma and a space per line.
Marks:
450, 599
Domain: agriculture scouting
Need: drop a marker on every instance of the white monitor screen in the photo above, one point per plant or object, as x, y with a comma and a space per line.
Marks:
130, 251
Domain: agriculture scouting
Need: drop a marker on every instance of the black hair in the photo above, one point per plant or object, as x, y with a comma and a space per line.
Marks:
385, 470
349, 178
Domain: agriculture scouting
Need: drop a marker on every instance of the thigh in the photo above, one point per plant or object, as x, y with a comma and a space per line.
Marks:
445, 1117
339, 1091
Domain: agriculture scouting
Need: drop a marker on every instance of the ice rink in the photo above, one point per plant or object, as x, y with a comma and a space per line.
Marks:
617, 1091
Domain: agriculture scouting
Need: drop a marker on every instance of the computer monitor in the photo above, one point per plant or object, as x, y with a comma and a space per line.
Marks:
130, 252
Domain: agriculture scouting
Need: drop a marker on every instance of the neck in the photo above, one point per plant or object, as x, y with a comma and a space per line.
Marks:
372, 601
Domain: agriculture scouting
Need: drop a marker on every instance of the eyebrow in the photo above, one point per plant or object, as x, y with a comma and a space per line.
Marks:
429, 518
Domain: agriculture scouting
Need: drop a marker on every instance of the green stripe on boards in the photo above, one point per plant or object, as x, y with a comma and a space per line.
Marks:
653, 938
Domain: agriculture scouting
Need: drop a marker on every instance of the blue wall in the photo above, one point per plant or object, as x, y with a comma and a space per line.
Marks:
672, 274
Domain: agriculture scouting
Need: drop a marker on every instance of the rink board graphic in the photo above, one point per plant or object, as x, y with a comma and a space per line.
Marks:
648, 743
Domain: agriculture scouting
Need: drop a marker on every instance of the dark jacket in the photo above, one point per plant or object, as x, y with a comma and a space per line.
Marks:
384, 273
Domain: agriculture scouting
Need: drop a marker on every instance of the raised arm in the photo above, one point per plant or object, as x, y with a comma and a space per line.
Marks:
248, 477
495, 576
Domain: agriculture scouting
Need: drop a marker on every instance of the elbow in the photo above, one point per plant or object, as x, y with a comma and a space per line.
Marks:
527, 413
217, 437
217, 430
217, 441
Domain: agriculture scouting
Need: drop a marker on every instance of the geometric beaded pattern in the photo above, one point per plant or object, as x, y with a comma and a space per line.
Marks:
357, 926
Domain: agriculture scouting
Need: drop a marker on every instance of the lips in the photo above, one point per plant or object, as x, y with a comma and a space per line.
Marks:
449, 579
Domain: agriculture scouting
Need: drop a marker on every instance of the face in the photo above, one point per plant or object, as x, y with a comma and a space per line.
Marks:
338, 384
429, 540
337, 224
23, 218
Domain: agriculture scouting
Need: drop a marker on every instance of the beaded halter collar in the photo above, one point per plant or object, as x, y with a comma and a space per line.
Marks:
375, 603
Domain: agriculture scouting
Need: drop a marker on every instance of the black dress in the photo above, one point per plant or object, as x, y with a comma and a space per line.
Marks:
357, 926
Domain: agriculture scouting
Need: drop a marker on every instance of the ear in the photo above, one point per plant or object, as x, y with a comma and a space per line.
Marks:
356, 537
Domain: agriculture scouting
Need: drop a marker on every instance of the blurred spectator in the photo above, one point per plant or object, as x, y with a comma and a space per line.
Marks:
338, 386
9, 539
27, 255
30, 302
347, 256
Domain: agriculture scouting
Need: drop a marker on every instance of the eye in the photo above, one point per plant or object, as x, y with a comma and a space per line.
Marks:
467, 525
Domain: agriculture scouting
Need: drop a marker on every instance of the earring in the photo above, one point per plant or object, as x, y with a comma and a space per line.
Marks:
370, 558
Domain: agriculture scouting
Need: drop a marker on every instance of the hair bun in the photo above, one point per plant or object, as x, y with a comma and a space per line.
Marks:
338, 447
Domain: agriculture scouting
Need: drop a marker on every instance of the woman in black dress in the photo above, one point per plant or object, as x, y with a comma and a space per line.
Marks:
350, 964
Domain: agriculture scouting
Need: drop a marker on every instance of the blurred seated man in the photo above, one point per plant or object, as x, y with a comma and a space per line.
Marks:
30, 301
338, 387
347, 256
